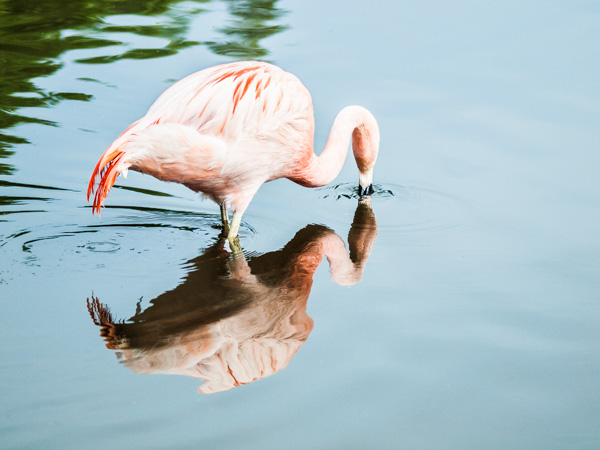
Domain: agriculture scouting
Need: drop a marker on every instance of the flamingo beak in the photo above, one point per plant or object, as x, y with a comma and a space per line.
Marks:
365, 191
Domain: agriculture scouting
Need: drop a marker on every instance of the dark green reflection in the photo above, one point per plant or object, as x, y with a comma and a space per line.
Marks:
35, 33
253, 21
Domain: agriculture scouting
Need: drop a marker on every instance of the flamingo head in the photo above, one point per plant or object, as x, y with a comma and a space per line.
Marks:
365, 145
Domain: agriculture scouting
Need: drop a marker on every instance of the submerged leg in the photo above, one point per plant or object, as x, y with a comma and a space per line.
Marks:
240, 269
239, 204
232, 237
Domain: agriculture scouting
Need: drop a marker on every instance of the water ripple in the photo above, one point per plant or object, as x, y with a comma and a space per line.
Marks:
165, 234
406, 210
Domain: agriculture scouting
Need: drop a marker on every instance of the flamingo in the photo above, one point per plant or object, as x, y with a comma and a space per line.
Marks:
226, 130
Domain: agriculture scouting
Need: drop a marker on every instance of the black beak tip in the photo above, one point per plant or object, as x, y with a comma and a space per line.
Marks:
367, 191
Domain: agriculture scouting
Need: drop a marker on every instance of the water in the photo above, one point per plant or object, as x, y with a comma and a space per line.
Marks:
475, 322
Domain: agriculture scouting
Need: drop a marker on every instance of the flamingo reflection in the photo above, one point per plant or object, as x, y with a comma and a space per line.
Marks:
234, 320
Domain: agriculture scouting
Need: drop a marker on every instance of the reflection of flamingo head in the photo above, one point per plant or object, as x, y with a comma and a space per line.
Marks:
233, 321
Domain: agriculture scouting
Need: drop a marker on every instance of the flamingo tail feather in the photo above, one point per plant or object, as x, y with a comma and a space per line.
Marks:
106, 171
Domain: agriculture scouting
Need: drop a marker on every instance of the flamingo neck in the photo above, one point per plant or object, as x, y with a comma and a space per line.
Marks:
352, 123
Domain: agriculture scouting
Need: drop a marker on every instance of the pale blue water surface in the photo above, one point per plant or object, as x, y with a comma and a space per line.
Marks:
476, 323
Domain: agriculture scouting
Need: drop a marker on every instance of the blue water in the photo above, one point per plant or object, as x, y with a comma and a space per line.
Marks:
476, 322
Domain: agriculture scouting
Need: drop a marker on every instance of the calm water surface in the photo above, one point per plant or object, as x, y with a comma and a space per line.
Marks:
463, 311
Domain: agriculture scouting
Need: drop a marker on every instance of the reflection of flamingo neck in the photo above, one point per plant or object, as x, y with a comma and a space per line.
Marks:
343, 271
313, 242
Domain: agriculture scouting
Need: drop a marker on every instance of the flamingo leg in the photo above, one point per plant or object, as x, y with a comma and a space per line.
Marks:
232, 237
224, 217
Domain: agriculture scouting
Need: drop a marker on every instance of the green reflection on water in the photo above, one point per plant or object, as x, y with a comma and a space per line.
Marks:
35, 33
249, 27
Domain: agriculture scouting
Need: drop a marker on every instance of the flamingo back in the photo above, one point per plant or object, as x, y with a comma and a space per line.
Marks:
234, 100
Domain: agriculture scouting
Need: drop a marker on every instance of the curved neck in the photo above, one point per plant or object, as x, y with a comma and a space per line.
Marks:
352, 122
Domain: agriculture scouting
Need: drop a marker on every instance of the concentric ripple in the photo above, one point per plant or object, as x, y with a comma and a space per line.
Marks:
405, 210
166, 235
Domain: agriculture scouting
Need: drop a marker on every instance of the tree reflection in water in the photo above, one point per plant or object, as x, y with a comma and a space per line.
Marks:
253, 22
34, 34
234, 320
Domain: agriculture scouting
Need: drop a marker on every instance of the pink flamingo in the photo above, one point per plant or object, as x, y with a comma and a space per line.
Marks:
226, 130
